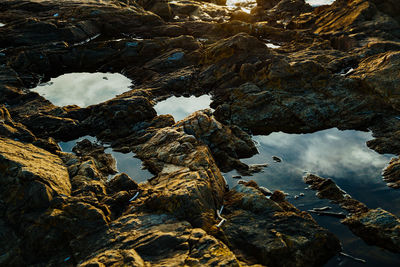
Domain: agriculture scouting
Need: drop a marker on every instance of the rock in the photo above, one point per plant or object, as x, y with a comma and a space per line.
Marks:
270, 238
121, 182
159, 7
380, 73
326, 188
228, 144
156, 239
104, 162
31, 178
391, 174
377, 227
276, 159
188, 182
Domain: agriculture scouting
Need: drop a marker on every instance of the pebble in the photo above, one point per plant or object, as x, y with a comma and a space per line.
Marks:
276, 159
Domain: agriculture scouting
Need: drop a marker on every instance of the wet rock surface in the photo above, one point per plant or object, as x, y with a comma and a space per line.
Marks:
336, 66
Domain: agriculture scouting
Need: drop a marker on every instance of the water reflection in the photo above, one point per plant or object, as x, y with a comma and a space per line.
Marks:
340, 155
126, 163
319, 2
248, 3
2, 24
181, 107
83, 89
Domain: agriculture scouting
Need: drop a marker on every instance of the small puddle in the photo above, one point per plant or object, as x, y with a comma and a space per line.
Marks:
126, 163
181, 107
83, 89
340, 155
315, 3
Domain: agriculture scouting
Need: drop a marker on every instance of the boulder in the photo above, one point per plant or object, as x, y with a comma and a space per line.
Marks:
30, 178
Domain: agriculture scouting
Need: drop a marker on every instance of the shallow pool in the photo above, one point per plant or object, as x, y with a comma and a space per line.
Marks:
181, 107
126, 162
83, 88
340, 155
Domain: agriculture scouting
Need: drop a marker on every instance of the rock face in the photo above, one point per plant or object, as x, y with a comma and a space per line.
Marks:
31, 178
284, 67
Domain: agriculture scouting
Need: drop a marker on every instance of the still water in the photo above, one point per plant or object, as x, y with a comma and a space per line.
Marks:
340, 155
83, 88
126, 163
181, 107
253, 3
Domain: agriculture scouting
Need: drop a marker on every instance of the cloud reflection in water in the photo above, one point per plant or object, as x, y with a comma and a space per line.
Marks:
181, 107
83, 89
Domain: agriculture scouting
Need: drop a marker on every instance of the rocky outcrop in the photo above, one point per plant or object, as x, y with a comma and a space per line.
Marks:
31, 178
258, 226
330, 66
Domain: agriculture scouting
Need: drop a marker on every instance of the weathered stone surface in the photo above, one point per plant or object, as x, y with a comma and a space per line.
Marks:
188, 182
154, 239
332, 66
377, 227
30, 177
380, 73
272, 231
391, 174
228, 144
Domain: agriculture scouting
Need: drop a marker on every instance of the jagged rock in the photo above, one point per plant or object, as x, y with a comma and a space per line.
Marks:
228, 144
391, 174
159, 7
188, 182
380, 74
266, 230
377, 227
156, 239
104, 162
121, 182
31, 178
326, 188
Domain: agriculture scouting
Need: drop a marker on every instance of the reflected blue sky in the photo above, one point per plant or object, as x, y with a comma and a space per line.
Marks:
340, 155
181, 107
126, 163
83, 89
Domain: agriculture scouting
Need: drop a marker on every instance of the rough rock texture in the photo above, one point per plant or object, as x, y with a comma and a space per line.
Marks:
391, 174
31, 178
259, 227
375, 226
331, 66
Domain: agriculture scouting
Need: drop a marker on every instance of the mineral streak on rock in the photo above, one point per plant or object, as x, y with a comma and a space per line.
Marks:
337, 66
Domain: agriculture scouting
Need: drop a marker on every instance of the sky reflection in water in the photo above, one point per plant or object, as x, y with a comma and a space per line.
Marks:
83, 89
340, 155
181, 107
126, 163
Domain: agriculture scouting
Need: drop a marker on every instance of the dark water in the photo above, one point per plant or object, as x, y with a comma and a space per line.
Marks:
126, 163
83, 88
342, 156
